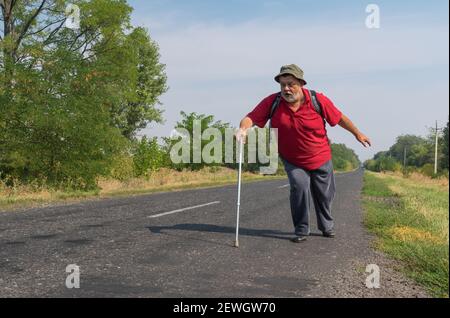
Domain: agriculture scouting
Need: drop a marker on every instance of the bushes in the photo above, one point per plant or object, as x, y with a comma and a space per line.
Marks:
427, 169
142, 158
344, 159
382, 164
148, 156
407, 171
122, 168
66, 149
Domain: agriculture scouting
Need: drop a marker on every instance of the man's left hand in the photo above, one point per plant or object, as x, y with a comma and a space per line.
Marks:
364, 140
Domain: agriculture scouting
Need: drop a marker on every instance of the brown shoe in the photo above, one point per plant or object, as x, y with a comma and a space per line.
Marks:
329, 234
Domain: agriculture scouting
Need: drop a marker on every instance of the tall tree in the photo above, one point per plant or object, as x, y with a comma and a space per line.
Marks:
418, 150
188, 122
138, 109
60, 87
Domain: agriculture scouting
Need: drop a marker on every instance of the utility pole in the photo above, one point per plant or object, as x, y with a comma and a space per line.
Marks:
436, 130
404, 157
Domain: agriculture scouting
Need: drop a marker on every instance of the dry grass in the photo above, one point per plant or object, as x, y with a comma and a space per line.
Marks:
171, 178
24, 196
27, 192
410, 234
418, 178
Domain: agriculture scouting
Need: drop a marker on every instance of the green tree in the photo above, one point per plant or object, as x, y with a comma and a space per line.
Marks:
138, 108
420, 154
344, 158
380, 154
406, 143
60, 88
386, 164
148, 156
370, 164
381, 162
187, 122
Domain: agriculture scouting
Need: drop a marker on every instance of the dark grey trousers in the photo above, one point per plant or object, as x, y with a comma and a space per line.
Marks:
318, 184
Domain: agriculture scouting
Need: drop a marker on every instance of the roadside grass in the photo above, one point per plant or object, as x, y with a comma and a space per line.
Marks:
23, 196
26, 196
410, 217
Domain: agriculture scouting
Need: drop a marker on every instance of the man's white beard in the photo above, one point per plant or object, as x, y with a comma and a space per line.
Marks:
291, 98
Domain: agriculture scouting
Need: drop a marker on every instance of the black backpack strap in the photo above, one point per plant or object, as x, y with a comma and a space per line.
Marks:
318, 108
274, 106
316, 103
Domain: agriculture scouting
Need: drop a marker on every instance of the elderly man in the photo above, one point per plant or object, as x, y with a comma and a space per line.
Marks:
300, 116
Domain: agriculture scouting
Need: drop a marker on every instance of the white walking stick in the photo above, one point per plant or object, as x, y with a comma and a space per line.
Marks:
236, 243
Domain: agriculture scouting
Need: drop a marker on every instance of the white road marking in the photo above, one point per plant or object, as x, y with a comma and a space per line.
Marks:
285, 186
184, 209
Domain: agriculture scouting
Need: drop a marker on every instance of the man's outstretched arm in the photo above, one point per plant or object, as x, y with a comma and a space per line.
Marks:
347, 124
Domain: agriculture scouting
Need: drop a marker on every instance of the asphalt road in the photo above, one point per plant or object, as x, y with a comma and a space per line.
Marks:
131, 247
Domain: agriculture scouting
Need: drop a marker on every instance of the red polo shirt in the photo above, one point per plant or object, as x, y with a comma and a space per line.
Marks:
302, 135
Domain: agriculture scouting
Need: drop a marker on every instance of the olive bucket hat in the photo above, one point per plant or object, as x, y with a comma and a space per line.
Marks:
293, 70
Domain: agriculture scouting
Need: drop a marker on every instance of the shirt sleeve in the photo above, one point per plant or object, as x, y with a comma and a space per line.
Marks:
260, 115
331, 113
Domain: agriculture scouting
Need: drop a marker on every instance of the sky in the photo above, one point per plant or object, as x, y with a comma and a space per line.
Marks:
221, 58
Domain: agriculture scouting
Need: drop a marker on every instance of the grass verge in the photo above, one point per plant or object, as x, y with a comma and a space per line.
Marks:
410, 217
24, 196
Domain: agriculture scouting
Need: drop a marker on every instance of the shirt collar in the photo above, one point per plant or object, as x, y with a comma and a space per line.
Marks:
307, 96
